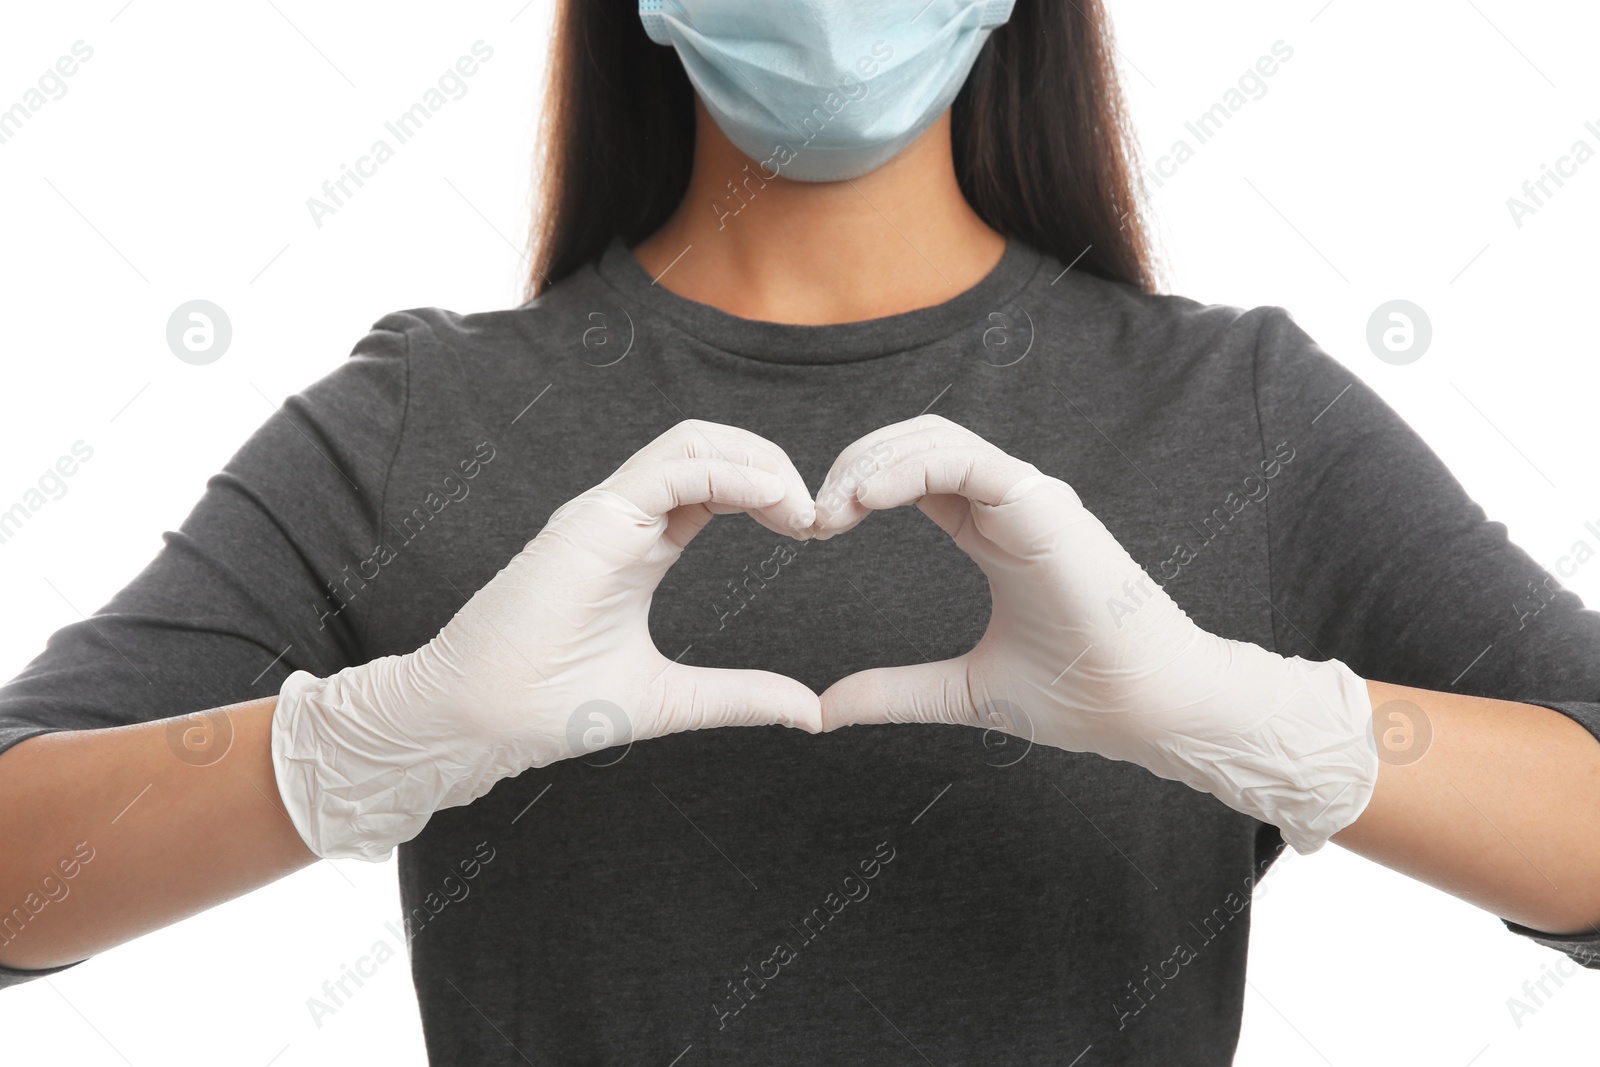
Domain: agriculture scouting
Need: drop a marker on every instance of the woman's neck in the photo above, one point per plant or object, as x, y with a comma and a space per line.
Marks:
814, 253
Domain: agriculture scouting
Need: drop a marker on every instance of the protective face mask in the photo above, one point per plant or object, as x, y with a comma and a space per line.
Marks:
823, 90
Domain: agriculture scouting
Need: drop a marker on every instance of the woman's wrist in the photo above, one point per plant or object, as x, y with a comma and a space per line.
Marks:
1304, 759
345, 802
1332, 720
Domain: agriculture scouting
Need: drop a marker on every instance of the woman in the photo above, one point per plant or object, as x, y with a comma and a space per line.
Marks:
894, 255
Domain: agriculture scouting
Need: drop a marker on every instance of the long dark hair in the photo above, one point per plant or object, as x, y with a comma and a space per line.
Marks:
1043, 149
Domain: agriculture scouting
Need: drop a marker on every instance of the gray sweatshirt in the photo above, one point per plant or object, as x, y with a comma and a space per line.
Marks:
882, 894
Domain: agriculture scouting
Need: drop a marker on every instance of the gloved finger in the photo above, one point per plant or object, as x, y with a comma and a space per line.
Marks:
838, 507
659, 488
685, 522
864, 446
699, 698
982, 474
923, 692
698, 439
793, 515
765, 517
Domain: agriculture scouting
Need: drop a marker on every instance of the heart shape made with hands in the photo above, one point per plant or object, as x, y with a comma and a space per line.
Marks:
564, 627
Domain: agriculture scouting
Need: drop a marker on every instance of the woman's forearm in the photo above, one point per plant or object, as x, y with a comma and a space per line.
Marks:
174, 815
1500, 806
1497, 810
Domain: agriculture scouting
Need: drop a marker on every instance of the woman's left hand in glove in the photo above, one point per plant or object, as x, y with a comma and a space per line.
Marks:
1086, 652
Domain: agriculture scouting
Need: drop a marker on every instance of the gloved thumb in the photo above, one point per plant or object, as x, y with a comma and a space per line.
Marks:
699, 698
923, 692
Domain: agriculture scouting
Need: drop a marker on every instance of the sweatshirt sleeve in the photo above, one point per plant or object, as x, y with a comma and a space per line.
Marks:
1379, 558
246, 590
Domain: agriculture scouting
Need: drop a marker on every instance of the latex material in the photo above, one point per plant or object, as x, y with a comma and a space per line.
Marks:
1084, 651
551, 659
823, 90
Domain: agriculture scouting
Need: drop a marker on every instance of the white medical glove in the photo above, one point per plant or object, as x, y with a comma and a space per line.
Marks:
365, 756
1063, 662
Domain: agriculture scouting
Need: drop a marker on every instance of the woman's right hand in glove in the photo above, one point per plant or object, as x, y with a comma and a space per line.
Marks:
363, 757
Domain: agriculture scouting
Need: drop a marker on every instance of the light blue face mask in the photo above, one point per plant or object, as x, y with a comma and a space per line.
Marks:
823, 90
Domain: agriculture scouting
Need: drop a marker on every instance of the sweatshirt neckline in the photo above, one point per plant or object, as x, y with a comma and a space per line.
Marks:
845, 342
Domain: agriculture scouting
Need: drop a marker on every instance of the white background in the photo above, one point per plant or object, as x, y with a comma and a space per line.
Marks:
177, 166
